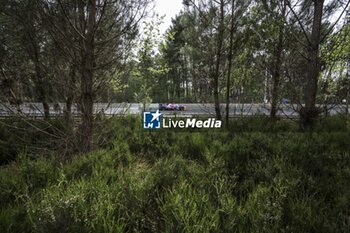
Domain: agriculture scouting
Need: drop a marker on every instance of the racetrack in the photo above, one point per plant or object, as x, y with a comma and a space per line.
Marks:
192, 109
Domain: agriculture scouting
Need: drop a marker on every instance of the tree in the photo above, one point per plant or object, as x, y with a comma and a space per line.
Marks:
25, 19
236, 13
98, 40
313, 42
334, 82
277, 14
314, 65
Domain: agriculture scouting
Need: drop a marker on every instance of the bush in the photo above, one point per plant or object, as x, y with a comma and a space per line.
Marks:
165, 181
24, 176
32, 137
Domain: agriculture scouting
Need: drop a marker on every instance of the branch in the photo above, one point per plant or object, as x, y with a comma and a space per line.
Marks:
336, 22
299, 22
70, 22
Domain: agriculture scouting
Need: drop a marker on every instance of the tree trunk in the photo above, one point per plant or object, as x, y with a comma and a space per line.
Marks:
87, 74
46, 107
33, 51
218, 60
276, 75
230, 55
40, 83
41, 88
309, 113
70, 96
68, 112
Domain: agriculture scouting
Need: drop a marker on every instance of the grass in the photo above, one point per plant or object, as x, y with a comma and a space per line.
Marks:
165, 181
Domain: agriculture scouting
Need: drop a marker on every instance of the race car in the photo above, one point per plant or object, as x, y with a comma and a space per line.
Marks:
172, 107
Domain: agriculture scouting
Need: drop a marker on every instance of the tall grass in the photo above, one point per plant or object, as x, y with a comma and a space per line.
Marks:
164, 181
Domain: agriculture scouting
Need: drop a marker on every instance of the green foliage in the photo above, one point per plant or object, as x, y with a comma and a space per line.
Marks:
20, 135
145, 72
168, 181
25, 175
187, 209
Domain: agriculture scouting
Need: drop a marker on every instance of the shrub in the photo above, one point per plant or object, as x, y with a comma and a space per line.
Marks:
164, 181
